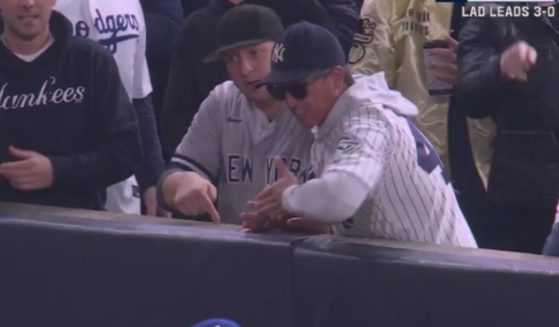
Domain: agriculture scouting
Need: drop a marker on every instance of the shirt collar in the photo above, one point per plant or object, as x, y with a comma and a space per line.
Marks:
341, 108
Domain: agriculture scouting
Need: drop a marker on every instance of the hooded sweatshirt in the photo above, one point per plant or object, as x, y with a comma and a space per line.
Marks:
379, 176
69, 105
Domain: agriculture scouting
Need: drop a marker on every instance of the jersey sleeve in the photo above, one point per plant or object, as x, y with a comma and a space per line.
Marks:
373, 48
331, 198
199, 150
362, 148
141, 83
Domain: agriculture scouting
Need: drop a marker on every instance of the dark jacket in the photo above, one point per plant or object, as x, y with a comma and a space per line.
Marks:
525, 167
69, 105
465, 176
358, 4
163, 21
190, 81
190, 6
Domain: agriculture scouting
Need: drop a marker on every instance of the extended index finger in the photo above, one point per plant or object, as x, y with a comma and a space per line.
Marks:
209, 207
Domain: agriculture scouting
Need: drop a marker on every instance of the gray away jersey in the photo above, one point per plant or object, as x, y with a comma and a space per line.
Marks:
232, 143
410, 197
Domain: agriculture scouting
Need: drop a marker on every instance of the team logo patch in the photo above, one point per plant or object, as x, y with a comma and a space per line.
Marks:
348, 144
366, 32
365, 35
278, 53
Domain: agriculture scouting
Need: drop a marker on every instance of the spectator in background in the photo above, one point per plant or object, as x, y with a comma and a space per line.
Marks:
509, 71
190, 79
163, 21
190, 6
119, 26
67, 128
391, 38
358, 5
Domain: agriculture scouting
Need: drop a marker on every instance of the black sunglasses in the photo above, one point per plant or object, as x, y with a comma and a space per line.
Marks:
279, 91
298, 90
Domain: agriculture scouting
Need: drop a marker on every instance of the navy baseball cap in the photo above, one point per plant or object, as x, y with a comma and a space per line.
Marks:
303, 49
245, 25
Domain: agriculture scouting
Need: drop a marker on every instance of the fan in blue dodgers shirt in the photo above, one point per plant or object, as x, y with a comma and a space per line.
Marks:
67, 127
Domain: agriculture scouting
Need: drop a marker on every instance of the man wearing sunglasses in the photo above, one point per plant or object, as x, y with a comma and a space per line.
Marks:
230, 146
379, 177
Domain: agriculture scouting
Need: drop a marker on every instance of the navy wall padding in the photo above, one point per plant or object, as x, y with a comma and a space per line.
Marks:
105, 273
68, 268
357, 283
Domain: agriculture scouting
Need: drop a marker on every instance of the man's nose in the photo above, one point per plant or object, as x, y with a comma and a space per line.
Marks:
246, 67
28, 3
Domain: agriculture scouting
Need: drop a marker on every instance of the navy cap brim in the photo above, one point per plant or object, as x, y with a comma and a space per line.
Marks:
217, 53
286, 77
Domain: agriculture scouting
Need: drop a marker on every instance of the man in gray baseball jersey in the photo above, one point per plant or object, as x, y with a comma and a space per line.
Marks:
227, 154
379, 177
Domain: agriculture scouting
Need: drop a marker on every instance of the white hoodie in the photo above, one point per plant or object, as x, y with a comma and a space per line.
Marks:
373, 88
378, 175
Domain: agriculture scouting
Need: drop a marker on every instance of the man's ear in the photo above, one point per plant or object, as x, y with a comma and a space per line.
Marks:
336, 77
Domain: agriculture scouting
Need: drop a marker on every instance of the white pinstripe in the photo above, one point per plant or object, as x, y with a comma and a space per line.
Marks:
405, 202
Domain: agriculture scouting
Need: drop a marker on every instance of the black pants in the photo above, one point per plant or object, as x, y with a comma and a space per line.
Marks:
518, 229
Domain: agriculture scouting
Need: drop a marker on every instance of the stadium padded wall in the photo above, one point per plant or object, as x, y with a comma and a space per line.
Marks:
77, 268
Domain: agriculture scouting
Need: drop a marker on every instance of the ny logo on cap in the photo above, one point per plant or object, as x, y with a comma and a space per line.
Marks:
278, 52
